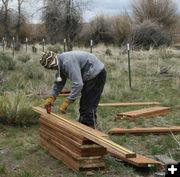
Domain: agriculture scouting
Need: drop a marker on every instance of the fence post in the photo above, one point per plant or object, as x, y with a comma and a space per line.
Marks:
91, 44
129, 66
43, 44
3, 40
13, 47
64, 45
26, 44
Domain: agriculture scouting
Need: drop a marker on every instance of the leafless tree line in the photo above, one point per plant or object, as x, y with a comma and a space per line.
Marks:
12, 21
151, 24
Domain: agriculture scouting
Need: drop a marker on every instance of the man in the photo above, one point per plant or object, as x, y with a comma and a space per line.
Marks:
87, 75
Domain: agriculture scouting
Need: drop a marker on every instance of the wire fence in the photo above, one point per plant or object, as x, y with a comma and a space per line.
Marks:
28, 46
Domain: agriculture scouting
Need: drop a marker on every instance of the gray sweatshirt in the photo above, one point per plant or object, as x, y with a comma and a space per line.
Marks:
79, 67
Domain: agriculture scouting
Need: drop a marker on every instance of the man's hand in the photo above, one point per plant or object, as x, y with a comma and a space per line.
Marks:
49, 101
64, 106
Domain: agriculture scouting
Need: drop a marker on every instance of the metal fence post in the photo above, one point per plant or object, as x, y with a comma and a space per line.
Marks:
91, 44
129, 65
13, 47
3, 43
26, 44
43, 44
64, 45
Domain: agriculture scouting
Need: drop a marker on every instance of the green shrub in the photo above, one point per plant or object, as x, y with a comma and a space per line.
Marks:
33, 71
166, 53
149, 34
16, 109
23, 58
6, 62
56, 49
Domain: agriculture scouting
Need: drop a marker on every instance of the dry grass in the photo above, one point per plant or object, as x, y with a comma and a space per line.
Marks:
148, 85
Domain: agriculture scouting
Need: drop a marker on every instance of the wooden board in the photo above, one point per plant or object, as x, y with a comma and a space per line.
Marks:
65, 91
64, 94
87, 132
86, 164
81, 150
139, 161
145, 130
147, 113
74, 132
129, 104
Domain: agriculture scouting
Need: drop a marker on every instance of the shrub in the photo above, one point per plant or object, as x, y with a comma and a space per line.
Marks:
163, 12
122, 25
6, 63
23, 58
33, 71
100, 31
16, 109
166, 53
148, 34
56, 49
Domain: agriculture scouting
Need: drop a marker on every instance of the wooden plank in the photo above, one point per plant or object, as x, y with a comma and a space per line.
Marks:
147, 113
44, 113
139, 161
87, 132
136, 130
71, 133
54, 151
60, 136
64, 94
50, 136
81, 150
60, 146
85, 165
65, 91
129, 104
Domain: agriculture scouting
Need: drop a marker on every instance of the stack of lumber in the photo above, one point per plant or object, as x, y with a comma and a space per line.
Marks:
147, 113
80, 147
136, 130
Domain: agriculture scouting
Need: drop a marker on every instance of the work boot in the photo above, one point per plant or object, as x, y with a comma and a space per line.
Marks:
88, 121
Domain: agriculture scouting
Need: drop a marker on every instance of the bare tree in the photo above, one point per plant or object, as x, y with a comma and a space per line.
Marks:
100, 30
5, 20
63, 18
20, 22
163, 12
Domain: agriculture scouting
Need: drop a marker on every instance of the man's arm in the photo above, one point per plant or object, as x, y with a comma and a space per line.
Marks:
58, 86
74, 74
